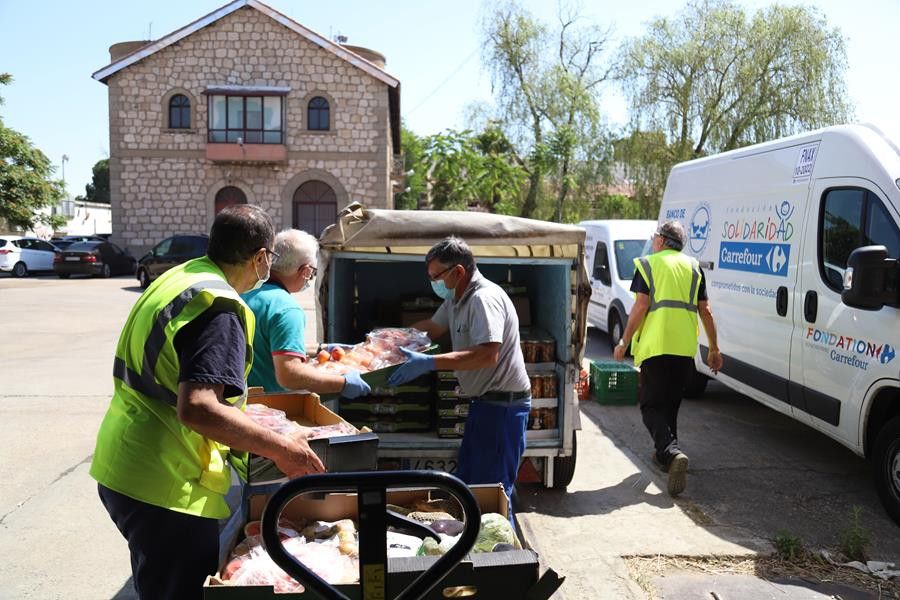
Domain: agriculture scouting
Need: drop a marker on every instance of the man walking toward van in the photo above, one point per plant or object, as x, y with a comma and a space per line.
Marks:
662, 329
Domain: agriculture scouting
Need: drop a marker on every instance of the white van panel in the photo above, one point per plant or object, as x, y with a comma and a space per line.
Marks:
743, 218
753, 218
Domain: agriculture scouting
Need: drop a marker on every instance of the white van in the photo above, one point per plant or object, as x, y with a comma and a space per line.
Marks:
610, 248
775, 227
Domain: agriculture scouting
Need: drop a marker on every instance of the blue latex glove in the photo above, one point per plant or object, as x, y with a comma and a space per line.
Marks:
332, 346
354, 386
416, 365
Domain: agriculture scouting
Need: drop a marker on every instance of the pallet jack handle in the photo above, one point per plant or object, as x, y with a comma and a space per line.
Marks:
371, 488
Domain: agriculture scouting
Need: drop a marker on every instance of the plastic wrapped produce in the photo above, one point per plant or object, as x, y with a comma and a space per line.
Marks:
331, 551
433, 548
380, 349
495, 529
400, 545
271, 418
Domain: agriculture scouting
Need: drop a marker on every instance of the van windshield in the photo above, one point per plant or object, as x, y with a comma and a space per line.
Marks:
626, 252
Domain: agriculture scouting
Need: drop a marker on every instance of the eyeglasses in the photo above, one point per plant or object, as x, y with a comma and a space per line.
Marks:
442, 273
315, 271
271, 253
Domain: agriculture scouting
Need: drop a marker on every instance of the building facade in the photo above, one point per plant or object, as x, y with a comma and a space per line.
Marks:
246, 105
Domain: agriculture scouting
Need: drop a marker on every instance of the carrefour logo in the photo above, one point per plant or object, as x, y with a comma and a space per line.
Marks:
698, 229
768, 259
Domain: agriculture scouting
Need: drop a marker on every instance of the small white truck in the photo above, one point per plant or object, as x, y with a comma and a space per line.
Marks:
371, 259
799, 240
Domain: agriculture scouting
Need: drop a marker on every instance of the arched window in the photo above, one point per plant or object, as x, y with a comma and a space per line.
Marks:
315, 207
179, 112
317, 114
229, 196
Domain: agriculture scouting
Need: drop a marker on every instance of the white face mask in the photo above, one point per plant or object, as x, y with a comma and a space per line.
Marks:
259, 279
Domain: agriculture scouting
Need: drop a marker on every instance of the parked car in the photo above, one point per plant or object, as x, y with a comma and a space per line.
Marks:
168, 253
22, 255
93, 258
63, 242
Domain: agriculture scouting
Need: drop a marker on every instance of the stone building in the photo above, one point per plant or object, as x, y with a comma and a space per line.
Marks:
246, 105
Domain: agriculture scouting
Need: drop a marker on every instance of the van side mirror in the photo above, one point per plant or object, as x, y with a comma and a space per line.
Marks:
870, 280
601, 273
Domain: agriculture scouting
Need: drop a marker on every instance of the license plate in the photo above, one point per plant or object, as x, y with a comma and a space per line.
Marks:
73, 258
448, 465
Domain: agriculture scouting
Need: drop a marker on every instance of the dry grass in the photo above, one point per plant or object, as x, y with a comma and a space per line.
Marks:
644, 569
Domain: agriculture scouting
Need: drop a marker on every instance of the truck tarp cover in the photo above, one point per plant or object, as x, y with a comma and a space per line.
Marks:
361, 229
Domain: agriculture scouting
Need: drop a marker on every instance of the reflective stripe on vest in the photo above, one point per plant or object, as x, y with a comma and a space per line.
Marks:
143, 449
670, 326
146, 382
655, 304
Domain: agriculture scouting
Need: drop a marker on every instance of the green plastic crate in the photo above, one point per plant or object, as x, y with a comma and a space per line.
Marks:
613, 382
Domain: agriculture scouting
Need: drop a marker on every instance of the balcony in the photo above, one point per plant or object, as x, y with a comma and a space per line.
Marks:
246, 153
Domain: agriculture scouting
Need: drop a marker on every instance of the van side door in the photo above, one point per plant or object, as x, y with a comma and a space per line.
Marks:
842, 350
601, 287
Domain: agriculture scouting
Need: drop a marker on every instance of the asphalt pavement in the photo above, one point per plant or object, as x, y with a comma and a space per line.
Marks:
753, 472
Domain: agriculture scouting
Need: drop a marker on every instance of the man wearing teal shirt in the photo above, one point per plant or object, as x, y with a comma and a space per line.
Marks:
279, 355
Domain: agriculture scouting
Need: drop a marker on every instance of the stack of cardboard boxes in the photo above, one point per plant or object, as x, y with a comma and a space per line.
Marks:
405, 409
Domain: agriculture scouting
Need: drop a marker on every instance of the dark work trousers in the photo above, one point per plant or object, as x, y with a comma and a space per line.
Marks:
171, 552
662, 385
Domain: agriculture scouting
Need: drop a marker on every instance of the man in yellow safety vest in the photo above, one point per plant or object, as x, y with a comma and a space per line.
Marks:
176, 418
670, 293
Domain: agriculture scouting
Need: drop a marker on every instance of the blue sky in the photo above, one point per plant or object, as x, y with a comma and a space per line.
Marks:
52, 47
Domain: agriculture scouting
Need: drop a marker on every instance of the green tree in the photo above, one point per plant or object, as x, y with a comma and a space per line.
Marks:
98, 189
26, 186
646, 158
546, 84
714, 78
459, 170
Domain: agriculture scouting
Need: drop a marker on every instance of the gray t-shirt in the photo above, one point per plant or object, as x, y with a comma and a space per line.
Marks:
483, 315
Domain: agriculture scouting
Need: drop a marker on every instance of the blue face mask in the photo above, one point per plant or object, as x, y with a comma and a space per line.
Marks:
440, 288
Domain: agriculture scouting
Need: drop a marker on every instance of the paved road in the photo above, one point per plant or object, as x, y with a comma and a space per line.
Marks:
753, 472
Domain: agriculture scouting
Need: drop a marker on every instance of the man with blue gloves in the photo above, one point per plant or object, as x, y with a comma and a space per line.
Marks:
487, 359
279, 354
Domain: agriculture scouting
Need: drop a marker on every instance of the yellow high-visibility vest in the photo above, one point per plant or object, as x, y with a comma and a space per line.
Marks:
143, 450
670, 326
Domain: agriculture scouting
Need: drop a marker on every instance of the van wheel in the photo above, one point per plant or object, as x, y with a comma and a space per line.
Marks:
20, 270
143, 278
615, 328
886, 463
564, 466
695, 384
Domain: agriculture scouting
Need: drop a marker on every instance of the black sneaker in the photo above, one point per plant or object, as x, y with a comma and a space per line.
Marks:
678, 474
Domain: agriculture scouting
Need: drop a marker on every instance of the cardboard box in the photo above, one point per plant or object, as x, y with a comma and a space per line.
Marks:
343, 453
451, 427
405, 423
513, 574
452, 408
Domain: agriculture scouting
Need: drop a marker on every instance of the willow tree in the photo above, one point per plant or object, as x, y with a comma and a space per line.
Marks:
546, 83
714, 77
